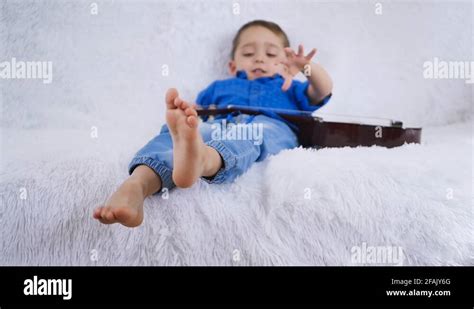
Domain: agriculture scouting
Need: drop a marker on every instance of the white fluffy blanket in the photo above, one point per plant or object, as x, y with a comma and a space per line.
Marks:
301, 207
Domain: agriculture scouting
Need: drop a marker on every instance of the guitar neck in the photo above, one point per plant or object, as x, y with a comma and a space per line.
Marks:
301, 116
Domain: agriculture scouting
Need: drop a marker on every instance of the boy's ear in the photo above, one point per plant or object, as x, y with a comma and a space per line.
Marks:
232, 68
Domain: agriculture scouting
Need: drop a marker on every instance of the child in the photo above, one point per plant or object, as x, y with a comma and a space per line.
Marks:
263, 66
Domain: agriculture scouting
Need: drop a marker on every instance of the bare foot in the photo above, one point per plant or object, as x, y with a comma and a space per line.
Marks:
125, 206
189, 150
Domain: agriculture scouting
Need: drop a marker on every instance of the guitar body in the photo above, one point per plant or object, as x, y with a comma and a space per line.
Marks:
321, 134
325, 131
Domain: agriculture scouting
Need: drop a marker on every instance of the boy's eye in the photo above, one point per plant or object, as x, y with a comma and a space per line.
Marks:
248, 55
271, 55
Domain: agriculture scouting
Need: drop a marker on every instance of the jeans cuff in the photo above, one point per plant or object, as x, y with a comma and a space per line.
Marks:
228, 158
165, 173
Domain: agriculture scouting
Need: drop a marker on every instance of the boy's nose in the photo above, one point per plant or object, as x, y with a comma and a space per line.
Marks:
259, 57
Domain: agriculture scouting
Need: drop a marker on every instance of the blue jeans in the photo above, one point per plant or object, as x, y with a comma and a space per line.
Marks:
253, 139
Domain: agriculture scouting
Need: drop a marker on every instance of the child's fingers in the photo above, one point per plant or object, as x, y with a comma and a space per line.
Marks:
289, 52
300, 50
287, 83
311, 54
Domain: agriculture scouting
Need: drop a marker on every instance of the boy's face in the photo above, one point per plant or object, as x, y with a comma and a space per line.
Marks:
259, 53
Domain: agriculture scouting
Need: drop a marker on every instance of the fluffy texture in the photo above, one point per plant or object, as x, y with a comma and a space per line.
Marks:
113, 68
300, 207
65, 146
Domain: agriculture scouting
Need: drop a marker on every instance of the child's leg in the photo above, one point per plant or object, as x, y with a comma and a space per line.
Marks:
178, 154
268, 137
192, 158
125, 205
186, 152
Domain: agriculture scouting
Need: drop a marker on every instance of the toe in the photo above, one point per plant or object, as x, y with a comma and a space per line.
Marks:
190, 111
106, 216
96, 213
177, 102
171, 95
109, 216
180, 103
184, 105
192, 121
104, 221
102, 218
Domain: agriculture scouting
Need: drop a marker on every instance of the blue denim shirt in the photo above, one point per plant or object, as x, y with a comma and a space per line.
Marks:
260, 92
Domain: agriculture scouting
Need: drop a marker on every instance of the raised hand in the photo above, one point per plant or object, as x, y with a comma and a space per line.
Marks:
295, 63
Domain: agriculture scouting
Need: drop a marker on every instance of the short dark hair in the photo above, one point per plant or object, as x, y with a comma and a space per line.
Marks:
273, 27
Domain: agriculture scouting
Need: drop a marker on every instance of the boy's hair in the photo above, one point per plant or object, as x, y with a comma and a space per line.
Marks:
273, 27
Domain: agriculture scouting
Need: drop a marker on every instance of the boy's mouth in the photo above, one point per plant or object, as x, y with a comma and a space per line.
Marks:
259, 72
